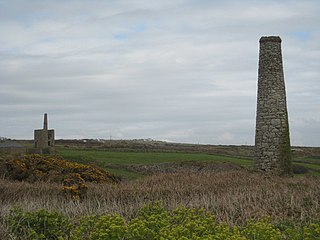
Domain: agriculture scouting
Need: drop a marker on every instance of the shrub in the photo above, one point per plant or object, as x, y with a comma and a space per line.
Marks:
152, 222
100, 228
197, 224
148, 222
312, 232
40, 224
37, 167
262, 230
74, 187
306, 232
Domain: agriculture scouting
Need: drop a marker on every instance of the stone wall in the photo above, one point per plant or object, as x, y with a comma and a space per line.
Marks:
272, 141
40, 138
51, 138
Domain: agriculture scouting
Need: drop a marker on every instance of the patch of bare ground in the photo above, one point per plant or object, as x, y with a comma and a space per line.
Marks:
233, 196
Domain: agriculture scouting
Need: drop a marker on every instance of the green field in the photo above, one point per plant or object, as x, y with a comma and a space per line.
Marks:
118, 162
145, 157
109, 160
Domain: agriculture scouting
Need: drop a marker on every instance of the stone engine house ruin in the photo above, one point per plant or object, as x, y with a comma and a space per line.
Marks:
272, 140
44, 138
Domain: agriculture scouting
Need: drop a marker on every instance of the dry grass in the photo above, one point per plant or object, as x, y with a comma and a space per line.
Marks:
234, 197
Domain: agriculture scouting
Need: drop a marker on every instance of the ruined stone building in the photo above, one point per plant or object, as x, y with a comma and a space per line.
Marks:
272, 140
44, 138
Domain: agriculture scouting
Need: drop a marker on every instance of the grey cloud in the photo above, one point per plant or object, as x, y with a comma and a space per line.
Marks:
176, 70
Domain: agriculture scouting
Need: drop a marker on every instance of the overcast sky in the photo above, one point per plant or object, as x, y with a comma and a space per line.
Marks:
174, 70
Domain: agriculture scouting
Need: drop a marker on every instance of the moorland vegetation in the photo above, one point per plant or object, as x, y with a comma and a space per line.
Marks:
162, 195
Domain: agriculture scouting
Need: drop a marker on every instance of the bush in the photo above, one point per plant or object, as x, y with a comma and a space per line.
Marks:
40, 224
307, 232
148, 222
262, 230
35, 167
312, 232
100, 228
151, 222
74, 187
186, 223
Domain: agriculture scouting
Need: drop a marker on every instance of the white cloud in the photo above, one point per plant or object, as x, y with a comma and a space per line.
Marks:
177, 70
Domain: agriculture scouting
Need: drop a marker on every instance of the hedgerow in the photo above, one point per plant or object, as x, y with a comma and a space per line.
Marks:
151, 222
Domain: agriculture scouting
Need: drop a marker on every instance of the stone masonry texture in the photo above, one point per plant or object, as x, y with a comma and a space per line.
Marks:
43, 138
272, 140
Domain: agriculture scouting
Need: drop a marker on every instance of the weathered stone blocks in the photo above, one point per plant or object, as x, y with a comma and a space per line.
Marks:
272, 140
43, 139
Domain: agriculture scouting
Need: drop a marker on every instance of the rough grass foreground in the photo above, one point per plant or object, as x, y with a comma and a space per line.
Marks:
233, 197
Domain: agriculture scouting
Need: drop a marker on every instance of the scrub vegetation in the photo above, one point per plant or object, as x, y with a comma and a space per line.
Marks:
169, 195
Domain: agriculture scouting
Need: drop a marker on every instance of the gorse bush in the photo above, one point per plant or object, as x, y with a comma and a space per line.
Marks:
75, 187
35, 167
151, 222
74, 176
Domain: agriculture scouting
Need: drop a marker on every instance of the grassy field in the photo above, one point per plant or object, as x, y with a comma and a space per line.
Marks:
118, 156
117, 162
120, 163
145, 157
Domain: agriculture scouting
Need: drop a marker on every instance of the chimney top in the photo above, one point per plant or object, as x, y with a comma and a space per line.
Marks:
270, 39
45, 121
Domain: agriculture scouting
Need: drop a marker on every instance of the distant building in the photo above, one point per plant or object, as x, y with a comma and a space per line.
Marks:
43, 138
11, 147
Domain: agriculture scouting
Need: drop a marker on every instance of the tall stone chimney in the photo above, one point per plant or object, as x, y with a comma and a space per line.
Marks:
45, 122
272, 140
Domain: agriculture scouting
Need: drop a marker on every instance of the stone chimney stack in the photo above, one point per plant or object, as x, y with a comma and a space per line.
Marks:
45, 122
272, 140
